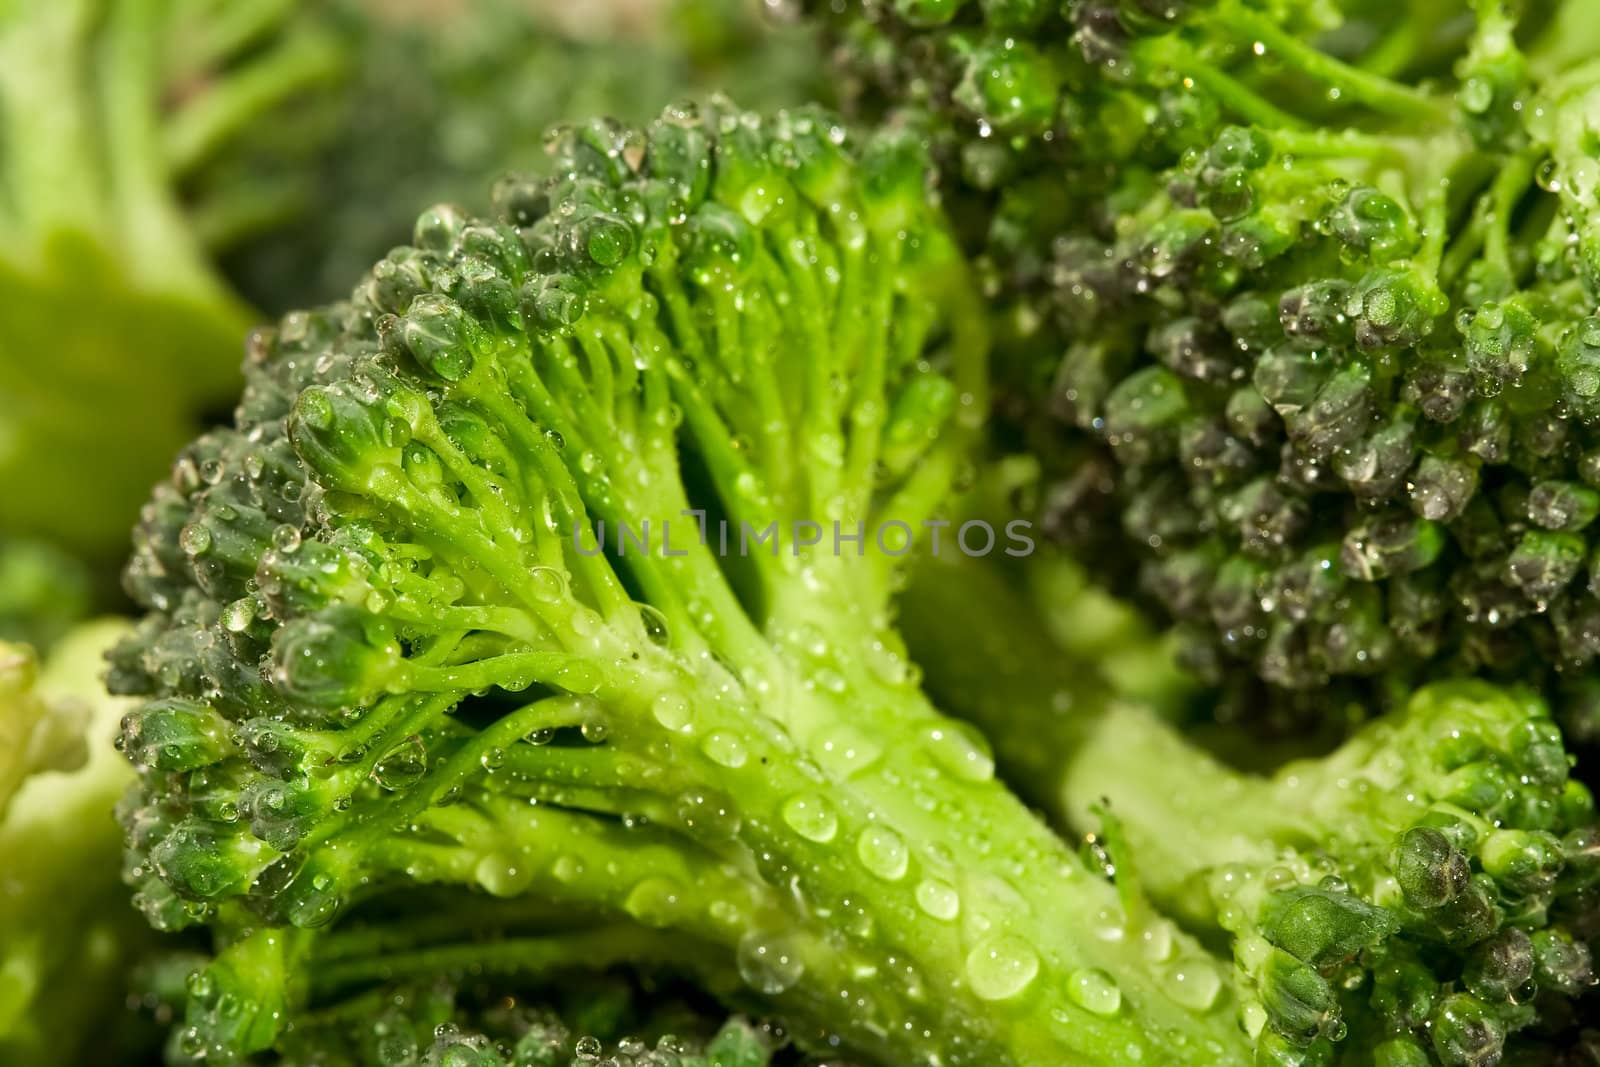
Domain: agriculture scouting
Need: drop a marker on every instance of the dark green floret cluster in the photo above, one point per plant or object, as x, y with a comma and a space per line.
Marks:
1324, 322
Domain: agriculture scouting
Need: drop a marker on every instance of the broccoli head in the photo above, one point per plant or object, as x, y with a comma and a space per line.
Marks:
1318, 382
509, 580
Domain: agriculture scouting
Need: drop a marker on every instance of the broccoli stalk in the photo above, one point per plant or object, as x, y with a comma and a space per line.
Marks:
122, 127
1428, 886
394, 639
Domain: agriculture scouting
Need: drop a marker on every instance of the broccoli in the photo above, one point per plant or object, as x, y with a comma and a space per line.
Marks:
67, 933
134, 144
43, 591
440, 106
1317, 373
399, 633
1428, 892
496, 1025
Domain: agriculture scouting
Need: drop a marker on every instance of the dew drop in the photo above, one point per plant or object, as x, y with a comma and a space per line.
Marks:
812, 818
769, 965
402, 766
655, 625
1094, 990
883, 853
655, 901
548, 584
1001, 968
672, 711
725, 750
501, 875
195, 539
938, 899
237, 616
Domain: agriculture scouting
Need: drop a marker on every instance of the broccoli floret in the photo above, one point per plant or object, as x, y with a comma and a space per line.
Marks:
446, 1024
132, 147
1427, 890
67, 932
398, 637
1327, 316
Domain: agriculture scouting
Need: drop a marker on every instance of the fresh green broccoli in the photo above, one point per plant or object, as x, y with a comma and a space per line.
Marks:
1426, 894
440, 106
1319, 365
492, 1025
43, 591
404, 630
133, 146
67, 932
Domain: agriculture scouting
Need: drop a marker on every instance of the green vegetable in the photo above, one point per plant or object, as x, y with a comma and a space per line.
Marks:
1428, 887
395, 642
441, 106
129, 141
43, 591
67, 933
445, 1024
1309, 288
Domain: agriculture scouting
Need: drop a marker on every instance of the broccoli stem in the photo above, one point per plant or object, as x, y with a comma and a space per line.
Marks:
534, 957
220, 113
1363, 86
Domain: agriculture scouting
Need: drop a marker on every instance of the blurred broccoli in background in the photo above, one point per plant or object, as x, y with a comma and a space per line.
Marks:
137, 140
43, 590
67, 934
446, 98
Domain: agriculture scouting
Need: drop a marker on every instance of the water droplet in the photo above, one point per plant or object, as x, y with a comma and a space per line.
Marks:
812, 818
672, 711
655, 626
769, 964
726, 750
548, 584
195, 539
1094, 990
883, 853
655, 901
938, 899
201, 987
1001, 968
567, 869
286, 538
502, 875
402, 766
237, 616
